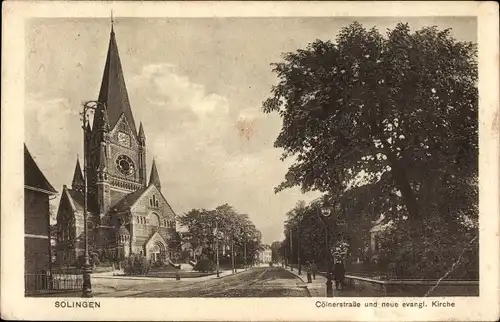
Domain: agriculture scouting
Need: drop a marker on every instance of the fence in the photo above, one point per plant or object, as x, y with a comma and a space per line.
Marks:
412, 288
47, 282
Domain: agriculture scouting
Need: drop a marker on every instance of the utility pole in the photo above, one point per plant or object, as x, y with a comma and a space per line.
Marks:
298, 252
217, 246
232, 254
245, 254
291, 250
88, 107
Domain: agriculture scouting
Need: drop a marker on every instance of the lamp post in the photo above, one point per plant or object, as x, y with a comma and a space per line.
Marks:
245, 255
232, 254
88, 109
298, 252
325, 212
245, 238
291, 250
217, 234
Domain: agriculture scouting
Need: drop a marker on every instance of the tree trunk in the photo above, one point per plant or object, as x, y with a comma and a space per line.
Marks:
402, 183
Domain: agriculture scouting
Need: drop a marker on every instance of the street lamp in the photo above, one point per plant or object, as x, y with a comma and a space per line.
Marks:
298, 250
325, 212
88, 109
291, 250
217, 236
245, 250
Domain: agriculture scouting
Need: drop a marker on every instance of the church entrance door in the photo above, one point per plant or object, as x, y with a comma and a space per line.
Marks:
157, 252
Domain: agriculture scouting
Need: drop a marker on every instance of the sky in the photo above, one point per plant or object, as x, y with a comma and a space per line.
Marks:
197, 84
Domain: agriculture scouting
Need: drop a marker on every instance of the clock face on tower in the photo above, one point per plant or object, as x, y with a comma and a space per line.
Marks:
124, 139
125, 165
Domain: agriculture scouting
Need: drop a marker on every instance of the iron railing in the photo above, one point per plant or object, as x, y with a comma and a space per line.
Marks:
47, 282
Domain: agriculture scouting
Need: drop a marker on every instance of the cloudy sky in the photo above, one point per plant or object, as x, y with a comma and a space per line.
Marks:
197, 85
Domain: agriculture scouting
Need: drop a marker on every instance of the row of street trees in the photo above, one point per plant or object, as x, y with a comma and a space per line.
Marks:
386, 125
236, 236
314, 232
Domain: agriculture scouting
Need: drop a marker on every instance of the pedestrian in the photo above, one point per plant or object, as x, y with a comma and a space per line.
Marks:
309, 273
339, 275
314, 269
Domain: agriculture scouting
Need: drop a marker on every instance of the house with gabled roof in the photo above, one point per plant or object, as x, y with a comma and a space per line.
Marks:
37, 192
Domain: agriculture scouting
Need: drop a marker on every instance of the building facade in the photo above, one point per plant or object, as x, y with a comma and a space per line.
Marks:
266, 254
37, 191
126, 212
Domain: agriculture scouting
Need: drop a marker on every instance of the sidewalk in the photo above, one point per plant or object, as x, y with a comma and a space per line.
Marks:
318, 286
119, 275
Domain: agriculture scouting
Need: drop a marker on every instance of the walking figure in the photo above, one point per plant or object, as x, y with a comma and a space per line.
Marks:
339, 275
309, 273
314, 269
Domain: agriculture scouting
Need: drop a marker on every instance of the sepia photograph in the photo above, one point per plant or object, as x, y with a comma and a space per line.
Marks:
327, 157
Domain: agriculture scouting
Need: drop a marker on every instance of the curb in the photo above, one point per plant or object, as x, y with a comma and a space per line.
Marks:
300, 277
243, 270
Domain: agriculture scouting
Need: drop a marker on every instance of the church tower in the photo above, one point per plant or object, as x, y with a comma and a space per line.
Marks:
127, 214
117, 151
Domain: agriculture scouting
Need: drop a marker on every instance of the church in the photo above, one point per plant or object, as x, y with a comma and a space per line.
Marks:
127, 214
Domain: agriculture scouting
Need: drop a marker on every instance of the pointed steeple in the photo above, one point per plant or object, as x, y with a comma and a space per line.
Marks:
142, 137
78, 181
155, 178
112, 22
113, 91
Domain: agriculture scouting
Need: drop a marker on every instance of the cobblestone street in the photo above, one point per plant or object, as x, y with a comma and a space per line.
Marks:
255, 282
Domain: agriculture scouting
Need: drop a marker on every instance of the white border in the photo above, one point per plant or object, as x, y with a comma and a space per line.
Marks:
13, 303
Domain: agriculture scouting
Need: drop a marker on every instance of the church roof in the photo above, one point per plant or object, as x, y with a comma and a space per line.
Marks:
130, 199
122, 231
77, 176
33, 176
113, 91
127, 201
76, 197
154, 178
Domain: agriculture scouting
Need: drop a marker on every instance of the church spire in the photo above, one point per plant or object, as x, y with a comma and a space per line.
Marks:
113, 92
112, 22
78, 181
155, 178
141, 132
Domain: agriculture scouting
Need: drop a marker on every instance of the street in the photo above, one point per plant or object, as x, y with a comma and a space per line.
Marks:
255, 282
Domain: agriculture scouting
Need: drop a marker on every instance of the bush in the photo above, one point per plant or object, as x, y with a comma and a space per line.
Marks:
159, 263
136, 265
204, 265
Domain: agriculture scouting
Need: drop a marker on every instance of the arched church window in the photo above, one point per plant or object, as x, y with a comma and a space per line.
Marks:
138, 220
154, 219
164, 223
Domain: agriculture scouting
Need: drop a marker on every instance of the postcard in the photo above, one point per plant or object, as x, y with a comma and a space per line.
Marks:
250, 161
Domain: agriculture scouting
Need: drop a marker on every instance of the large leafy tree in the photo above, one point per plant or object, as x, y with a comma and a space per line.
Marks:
232, 228
386, 124
401, 108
